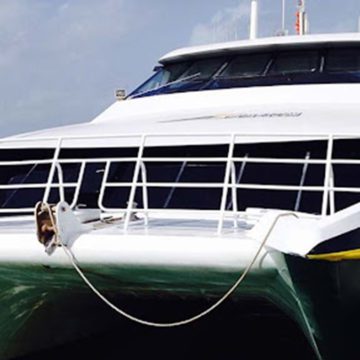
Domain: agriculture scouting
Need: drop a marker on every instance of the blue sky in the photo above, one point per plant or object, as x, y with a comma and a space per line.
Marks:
61, 60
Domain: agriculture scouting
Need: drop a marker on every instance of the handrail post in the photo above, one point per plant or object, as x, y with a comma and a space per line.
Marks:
226, 183
328, 166
234, 193
61, 182
78, 184
134, 183
332, 191
302, 182
103, 184
52, 170
145, 193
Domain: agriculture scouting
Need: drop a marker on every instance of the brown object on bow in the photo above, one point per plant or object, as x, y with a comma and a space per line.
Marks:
45, 222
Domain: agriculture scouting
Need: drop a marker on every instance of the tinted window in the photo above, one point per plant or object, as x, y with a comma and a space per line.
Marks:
247, 65
236, 70
164, 76
204, 68
294, 62
343, 60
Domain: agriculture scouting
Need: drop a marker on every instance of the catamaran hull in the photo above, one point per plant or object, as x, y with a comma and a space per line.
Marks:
44, 302
42, 306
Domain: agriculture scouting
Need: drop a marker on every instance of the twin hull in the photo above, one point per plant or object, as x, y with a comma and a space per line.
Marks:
45, 303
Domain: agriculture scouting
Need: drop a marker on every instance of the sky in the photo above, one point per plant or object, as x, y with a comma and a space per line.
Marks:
62, 60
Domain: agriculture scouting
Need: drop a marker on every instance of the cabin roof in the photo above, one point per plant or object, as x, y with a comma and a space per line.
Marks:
258, 44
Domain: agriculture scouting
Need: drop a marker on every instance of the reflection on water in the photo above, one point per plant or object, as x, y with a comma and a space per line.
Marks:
232, 332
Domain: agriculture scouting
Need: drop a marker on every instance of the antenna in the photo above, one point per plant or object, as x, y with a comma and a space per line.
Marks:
283, 31
283, 16
254, 20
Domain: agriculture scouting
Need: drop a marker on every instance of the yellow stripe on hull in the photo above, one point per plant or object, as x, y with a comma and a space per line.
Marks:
337, 256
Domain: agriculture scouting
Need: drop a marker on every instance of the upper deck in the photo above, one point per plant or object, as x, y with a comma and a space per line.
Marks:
272, 96
315, 59
261, 44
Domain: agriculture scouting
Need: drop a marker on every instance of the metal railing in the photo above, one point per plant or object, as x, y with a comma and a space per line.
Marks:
229, 186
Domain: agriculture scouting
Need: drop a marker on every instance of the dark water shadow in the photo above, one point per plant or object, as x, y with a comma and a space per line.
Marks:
250, 331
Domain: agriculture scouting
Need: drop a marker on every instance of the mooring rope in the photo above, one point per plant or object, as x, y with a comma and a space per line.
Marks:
189, 320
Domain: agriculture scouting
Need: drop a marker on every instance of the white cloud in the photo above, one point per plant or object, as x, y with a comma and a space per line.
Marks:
228, 24
54, 56
65, 26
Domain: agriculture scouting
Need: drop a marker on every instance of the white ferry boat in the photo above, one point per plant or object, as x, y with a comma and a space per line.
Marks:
232, 173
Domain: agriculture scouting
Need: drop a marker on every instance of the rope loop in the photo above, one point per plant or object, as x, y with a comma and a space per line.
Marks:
189, 320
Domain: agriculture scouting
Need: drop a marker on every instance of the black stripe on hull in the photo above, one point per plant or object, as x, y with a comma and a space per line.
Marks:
330, 296
344, 242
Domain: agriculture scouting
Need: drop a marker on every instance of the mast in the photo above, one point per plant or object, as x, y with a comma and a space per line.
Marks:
301, 25
254, 20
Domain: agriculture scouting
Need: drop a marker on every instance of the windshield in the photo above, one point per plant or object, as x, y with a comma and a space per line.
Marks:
323, 64
183, 75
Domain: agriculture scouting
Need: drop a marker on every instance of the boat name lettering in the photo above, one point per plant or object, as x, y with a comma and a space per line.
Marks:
270, 115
